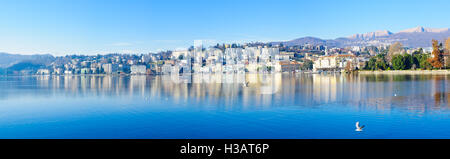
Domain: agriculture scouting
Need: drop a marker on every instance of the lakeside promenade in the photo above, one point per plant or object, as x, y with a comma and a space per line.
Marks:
396, 72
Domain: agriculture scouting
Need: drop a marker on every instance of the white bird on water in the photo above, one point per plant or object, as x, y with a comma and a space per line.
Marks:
359, 128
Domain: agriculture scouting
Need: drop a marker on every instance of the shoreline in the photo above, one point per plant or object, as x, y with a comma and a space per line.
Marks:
363, 72
396, 72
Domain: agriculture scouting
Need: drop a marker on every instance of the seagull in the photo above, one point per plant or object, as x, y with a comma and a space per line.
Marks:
359, 128
245, 84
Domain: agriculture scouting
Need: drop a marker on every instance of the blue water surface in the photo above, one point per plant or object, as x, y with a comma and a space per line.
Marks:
274, 106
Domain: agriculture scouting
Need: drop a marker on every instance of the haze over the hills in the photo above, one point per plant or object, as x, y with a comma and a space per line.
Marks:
413, 37
7, 59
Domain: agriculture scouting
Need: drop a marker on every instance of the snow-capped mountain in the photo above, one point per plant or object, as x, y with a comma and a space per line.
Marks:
413, 37
420, 29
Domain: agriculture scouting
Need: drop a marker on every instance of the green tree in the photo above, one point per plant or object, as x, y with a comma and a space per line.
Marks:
426, 65
398, 62
381, 64
370, 65
415, 61
307, 65
377, 63
422, 60
409, 61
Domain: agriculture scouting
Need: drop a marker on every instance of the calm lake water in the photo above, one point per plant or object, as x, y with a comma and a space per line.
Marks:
218, 106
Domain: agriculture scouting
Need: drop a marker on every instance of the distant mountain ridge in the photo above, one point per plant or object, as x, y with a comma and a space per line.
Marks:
7, 60
420, 29
413, 37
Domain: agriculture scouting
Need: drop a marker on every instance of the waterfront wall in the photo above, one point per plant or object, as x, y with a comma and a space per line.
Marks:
439, 72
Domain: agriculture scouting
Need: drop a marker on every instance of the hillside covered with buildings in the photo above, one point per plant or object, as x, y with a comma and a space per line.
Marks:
243, 58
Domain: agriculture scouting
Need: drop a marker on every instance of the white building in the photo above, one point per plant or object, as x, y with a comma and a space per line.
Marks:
67, 72
233, 54
166, 69
177, 54
334, 62
269, 53
252, 53
325, 62
43, 72
107, 68
138, 69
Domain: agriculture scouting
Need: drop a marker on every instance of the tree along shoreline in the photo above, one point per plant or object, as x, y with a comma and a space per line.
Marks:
441, 72
397, 59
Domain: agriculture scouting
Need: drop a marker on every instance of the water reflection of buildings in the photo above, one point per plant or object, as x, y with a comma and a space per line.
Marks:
413, 93
325, 87
336, 87
378, 92
224, 89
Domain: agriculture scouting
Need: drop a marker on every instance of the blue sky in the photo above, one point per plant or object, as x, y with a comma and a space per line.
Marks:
61, 27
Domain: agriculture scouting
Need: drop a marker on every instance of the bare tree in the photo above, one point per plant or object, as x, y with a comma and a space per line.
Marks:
394, 49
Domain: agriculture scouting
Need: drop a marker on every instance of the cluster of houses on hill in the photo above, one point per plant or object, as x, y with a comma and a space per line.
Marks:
197, 60
220, 59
